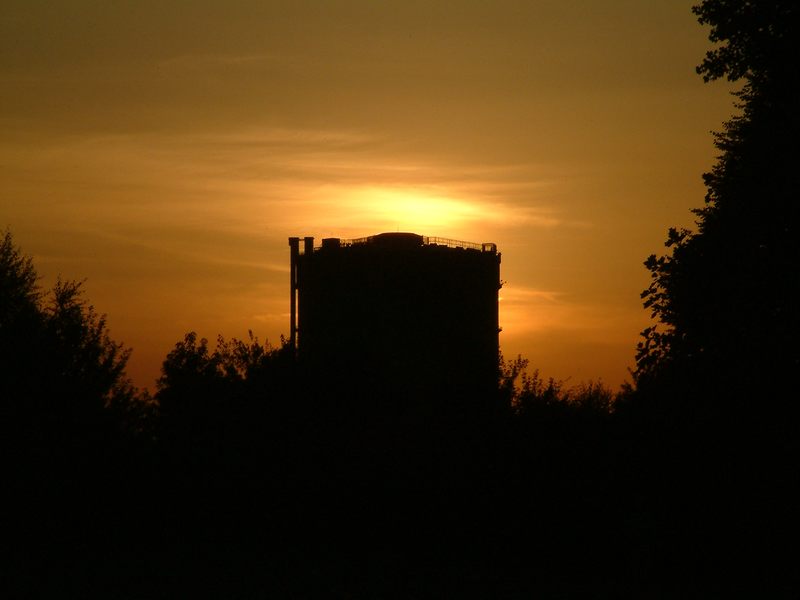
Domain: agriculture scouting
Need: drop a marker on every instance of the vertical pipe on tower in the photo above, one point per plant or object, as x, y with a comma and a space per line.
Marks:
294, 251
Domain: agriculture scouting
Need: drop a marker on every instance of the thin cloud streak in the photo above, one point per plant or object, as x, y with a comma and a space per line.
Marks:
306, 175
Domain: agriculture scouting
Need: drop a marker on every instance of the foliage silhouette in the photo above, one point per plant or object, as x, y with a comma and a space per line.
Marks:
222, 400
527, 393
61, 369
19, 291
725, 297
73, 469
711, 413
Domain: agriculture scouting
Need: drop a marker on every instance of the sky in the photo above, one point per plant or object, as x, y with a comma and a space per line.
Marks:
165, 150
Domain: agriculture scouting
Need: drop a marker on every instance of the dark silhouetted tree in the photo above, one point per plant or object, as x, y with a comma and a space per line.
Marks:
19, 291
72, 471
220, 404
60, 368
725, 298
715, 428
21, 325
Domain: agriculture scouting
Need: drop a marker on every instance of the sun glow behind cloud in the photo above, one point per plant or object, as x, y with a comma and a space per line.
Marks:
377, 208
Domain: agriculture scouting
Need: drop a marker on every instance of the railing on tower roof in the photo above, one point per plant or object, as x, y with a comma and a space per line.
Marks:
426, 241
450, 243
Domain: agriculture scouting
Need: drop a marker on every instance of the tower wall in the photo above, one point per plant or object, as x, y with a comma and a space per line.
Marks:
399, 314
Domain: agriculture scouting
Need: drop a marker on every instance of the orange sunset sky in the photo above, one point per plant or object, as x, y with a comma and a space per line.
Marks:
165, 150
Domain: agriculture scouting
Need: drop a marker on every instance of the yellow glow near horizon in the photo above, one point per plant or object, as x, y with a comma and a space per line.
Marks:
377, 208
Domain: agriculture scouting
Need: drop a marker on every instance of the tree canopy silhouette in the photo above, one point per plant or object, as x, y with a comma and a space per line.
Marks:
60, 368
713, 372
724, 298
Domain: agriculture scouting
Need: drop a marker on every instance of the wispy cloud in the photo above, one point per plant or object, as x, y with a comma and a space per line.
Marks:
282, 175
